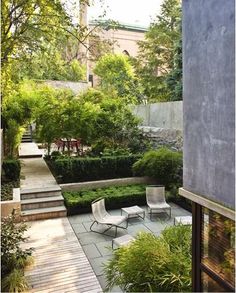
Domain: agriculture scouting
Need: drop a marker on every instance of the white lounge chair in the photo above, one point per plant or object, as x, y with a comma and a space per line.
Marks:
101, 216
156, 202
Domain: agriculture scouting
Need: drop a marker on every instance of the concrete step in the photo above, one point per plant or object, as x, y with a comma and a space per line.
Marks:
39, 203
40, 192
45, 213
30, 156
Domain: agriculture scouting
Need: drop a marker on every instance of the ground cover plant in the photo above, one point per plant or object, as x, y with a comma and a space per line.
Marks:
13, 258
115, 197
10, 178
7, 189
153, 264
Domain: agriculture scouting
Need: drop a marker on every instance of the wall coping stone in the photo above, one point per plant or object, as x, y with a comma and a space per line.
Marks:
106, 183
199, 199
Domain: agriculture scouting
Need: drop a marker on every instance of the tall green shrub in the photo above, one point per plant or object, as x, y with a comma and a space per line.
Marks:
153, 264
163, 164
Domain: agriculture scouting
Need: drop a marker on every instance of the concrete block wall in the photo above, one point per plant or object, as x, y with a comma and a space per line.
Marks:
167, 115
209, 99
76, 87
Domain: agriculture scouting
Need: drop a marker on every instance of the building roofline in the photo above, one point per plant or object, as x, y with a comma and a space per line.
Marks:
119, 25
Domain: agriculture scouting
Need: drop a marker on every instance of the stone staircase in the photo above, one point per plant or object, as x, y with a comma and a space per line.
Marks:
42, 203
27, 137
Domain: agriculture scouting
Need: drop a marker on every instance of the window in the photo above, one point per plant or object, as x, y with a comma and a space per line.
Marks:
213, 252
218, 246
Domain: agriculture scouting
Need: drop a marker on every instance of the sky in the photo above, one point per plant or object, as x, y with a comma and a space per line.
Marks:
134, 12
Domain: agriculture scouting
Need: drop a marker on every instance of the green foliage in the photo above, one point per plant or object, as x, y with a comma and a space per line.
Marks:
116, 124
7, 189
49, 64
11, 169
13, 258
115, 196
153, 264
116, 73
15, 281
13, 136
174, 77
163, 164
85, 169
27, 24
18, 110
158, 54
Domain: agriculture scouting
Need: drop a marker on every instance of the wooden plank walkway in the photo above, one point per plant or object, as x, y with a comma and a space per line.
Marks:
60, 264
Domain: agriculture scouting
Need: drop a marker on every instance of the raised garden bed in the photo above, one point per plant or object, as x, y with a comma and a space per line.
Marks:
78, 202
72, 170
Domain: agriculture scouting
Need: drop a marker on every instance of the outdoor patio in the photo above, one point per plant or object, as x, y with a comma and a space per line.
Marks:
98, 248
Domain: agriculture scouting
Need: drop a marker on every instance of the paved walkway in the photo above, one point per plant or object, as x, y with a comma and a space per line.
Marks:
36, 174
34, 171
29, 149
60, 262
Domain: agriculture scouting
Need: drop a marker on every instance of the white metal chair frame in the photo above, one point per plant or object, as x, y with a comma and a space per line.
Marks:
101, 216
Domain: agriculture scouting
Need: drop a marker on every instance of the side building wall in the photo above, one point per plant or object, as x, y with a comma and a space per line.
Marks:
209, 99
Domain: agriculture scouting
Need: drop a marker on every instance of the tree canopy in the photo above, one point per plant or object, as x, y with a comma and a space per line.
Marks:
116, 72
159, 56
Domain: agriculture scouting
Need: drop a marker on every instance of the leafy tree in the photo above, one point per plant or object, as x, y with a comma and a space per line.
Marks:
158, 53
174, 77
17, 111
49, 64
116, 72
26, 24
49, 114
116, 123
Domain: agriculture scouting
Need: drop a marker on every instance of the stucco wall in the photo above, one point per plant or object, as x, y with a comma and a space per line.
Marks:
209, 88
167, 115
76, 87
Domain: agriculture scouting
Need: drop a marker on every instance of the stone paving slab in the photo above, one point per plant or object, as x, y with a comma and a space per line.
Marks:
29, 149
36, 174
94, 243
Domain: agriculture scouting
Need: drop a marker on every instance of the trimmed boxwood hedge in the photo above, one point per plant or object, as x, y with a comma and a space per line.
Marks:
11, 168
68, 170
115, 197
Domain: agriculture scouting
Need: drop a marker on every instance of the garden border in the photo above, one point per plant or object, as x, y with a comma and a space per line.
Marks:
8, 206
106, 183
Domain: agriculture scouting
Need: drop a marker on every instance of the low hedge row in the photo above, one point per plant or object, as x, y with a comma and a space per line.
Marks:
68, 170
115, 197
11, 169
